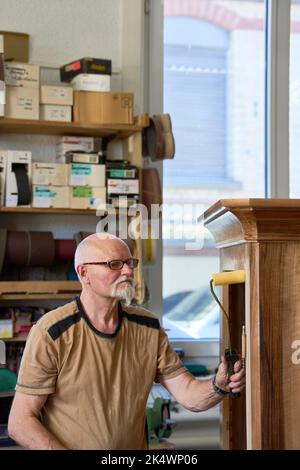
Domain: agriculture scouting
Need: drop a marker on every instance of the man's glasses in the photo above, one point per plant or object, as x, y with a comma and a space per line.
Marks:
117, 264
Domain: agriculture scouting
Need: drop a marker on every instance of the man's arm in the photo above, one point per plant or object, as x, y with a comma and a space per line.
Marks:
24, 426
199, 395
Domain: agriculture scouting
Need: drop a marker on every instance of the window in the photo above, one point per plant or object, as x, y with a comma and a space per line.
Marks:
214, 89
294, 99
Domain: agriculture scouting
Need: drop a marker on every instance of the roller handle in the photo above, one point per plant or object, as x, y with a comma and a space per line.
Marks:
232, 357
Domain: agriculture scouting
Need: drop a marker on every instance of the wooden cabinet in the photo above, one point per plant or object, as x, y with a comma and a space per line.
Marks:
262, 236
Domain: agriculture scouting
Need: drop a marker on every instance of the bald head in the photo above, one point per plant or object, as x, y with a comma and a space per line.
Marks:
100, 247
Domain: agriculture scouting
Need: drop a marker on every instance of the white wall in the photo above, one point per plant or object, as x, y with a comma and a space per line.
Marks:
63, 30
60, 31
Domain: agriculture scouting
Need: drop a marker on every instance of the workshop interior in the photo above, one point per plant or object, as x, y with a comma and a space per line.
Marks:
175, 125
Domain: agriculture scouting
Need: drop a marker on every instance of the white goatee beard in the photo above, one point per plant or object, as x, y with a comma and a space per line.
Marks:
126, 292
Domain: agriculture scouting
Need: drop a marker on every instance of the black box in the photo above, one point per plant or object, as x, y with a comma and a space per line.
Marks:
85, 65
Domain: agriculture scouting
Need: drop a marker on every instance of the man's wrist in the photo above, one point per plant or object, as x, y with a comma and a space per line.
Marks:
218, 390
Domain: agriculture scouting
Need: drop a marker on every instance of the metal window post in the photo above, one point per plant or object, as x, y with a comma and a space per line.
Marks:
277, 98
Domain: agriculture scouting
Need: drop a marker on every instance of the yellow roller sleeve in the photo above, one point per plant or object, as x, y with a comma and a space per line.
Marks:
229, 277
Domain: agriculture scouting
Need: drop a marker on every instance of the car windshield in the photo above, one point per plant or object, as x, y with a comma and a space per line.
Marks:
194, 306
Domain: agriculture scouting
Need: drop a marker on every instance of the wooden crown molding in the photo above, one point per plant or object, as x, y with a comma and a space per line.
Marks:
235, 221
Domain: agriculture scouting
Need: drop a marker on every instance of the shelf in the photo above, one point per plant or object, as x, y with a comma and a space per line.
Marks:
44, 210
27, 126
18, 339
26, 290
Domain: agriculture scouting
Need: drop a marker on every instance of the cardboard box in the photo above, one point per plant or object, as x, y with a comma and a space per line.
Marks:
21, 159
22, 103
52, 174
85, 65
51, 196
15, 46
82, 197
20, 74
91, 82
6, 328
2, 110
2, 177
87, 174
62, 95
67, 144
54, 112
122, 186
74, 157
1, 44
103, 107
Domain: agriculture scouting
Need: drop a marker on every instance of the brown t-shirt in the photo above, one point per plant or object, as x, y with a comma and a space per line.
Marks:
98, 383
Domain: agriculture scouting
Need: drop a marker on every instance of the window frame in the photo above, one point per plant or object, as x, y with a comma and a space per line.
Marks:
277, 53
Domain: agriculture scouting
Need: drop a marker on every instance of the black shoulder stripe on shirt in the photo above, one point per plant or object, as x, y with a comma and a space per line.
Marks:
142, 320
56, 330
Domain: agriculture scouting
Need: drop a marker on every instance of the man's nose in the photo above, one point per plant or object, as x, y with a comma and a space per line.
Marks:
126, 270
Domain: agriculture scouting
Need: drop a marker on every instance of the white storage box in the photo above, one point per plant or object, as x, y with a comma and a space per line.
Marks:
22, 74
61, 95
51, 196
87, 174
91, 82
22, 102
52, 174
54, 112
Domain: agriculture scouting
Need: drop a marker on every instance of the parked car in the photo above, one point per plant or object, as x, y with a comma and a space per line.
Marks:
196, 316
172, 300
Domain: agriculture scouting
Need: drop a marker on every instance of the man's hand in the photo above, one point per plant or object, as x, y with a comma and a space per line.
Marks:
236, 383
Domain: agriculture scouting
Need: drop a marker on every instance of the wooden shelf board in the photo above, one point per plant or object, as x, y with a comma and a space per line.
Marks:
42, 210
16, 290
27, 126
39, 296
17, 339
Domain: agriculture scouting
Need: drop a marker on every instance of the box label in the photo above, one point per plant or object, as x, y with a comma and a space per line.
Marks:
79, 191
121, 173
81, 169
43, 191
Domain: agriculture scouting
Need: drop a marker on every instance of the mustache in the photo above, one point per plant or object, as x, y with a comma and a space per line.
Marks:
124, 278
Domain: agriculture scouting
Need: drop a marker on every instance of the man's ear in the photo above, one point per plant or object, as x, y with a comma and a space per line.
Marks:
83, 274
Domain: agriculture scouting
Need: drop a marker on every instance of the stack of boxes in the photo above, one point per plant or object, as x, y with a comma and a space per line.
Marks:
76, 185
50, 185
56, 103
77, 179
22, 90
87, 186
93, 101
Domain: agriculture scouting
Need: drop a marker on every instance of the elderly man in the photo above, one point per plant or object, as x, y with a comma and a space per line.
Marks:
88, 367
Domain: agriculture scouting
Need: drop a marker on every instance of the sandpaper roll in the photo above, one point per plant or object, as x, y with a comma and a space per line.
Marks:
16, 248
65, 250
41, 249
23, 185
3, 236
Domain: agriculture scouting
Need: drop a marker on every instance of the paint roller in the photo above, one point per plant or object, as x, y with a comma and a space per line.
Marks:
222, 279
